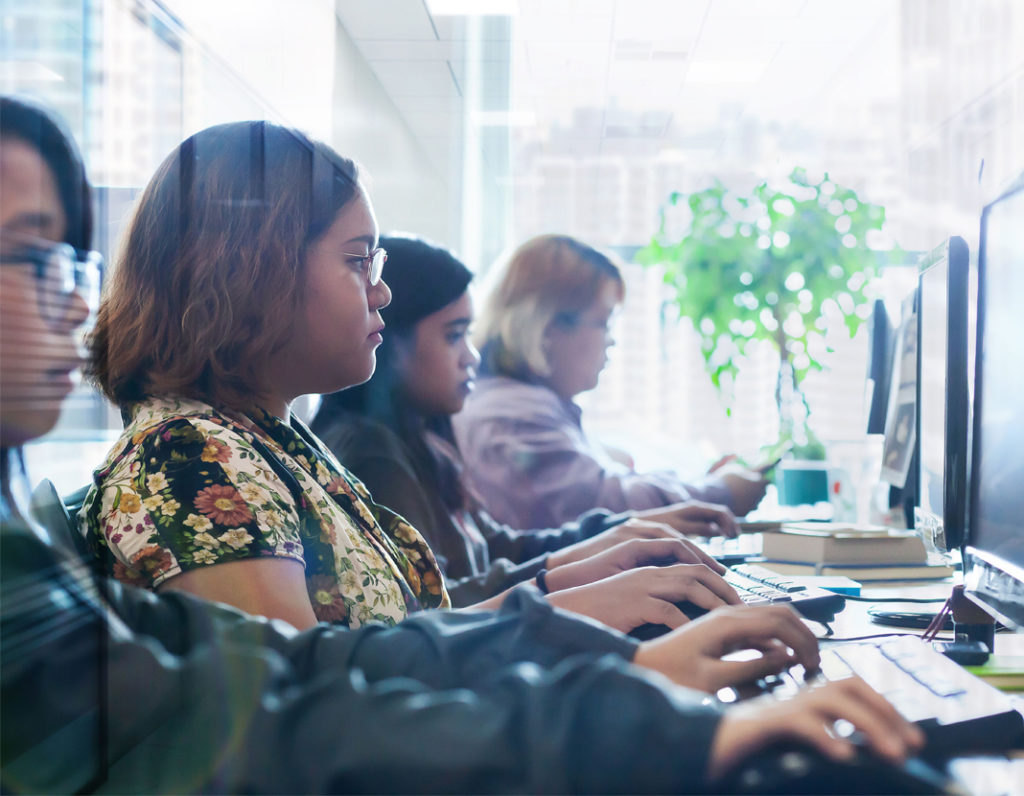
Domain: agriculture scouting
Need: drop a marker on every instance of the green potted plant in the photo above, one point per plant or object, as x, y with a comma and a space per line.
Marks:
770, 264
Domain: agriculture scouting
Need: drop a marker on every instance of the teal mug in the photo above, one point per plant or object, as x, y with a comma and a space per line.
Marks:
800, 482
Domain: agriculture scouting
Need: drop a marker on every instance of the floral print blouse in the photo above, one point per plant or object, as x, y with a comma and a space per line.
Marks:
188, 486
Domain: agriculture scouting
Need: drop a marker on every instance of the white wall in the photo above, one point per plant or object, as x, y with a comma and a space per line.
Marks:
300, 67
408, 192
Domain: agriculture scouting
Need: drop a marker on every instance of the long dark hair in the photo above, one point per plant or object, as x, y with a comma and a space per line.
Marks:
23, 119
423, 278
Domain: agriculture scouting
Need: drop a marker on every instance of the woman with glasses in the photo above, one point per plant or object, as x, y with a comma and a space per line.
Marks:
47, 225
250, 275
544, 334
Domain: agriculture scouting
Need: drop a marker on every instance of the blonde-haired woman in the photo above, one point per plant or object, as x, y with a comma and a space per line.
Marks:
544, 333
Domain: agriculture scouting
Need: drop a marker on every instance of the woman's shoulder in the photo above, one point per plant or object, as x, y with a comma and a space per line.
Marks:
502, 399
170, 424
349, 435
496, 392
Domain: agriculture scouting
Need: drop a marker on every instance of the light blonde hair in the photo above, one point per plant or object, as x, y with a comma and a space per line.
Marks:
548, 279
212, 270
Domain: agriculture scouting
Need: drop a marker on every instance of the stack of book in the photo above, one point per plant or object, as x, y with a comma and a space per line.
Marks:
862, 553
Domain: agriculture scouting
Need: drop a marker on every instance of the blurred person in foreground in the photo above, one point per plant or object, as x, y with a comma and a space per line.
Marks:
108, 687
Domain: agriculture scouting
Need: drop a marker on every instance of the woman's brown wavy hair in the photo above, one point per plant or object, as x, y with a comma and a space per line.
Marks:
212, 269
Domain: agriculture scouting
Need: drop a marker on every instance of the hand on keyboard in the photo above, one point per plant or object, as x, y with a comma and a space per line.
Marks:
646, 595
694, 518
692, 656
625, 556
810, 719
633, 529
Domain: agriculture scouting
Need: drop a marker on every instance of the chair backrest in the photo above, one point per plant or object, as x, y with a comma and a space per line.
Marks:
52, 513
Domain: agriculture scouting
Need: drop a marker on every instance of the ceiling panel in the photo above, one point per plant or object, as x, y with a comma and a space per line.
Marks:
385, 19
585, 65
644, 19
415, 78
410, 50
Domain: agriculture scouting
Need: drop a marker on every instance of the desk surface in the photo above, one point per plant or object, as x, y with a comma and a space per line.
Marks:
980, 776
854, 620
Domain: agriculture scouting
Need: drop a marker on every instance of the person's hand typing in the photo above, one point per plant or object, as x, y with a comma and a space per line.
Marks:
624, 556
692, 656
647, 595
634, 528
810, 718
694, 518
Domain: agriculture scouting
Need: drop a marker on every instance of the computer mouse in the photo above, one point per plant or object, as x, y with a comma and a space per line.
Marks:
795, 769
651, 630
995, 733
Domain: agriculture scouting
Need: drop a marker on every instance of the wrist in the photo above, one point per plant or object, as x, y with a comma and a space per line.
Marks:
558, 578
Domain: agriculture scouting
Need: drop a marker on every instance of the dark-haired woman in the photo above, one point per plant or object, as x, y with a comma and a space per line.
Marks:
394, 433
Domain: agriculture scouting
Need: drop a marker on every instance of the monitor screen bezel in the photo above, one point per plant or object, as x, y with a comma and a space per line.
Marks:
899, 460
946, 532
881, 338
991, 582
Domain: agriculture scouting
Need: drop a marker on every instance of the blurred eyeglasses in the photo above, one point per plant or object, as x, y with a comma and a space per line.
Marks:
60, 271
373, 263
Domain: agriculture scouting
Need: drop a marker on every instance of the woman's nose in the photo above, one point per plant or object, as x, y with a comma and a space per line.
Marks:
470, 356
380, 295
77, 311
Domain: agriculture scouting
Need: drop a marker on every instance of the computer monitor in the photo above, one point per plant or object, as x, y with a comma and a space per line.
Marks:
880, 350
993, 548
900, 426
942, 396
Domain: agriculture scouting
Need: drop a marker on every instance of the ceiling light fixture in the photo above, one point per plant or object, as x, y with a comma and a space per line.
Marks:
473, 8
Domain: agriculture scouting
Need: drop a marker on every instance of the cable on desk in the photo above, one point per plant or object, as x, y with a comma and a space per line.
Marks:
863, 599
938, 620
866, 638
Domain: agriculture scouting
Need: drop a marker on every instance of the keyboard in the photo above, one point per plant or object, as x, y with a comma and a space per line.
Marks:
959, 713
757, 585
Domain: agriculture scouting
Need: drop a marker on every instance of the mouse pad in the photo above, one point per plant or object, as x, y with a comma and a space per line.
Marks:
917, 618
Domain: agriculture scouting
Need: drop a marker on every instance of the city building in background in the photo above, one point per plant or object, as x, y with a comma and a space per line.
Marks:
481, 123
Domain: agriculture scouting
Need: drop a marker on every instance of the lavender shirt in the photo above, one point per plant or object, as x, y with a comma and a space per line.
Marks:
529, 461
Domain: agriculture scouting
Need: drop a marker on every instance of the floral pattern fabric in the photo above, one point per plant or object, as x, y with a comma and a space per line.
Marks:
187, 486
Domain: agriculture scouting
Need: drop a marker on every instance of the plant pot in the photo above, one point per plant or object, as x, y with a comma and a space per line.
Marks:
801, 481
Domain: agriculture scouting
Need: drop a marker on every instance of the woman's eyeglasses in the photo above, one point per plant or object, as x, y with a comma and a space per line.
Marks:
60, 271
373, 263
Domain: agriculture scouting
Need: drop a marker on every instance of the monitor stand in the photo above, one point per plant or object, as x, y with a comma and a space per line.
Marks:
973, 628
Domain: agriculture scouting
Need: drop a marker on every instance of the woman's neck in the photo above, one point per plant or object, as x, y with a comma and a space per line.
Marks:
274, 405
